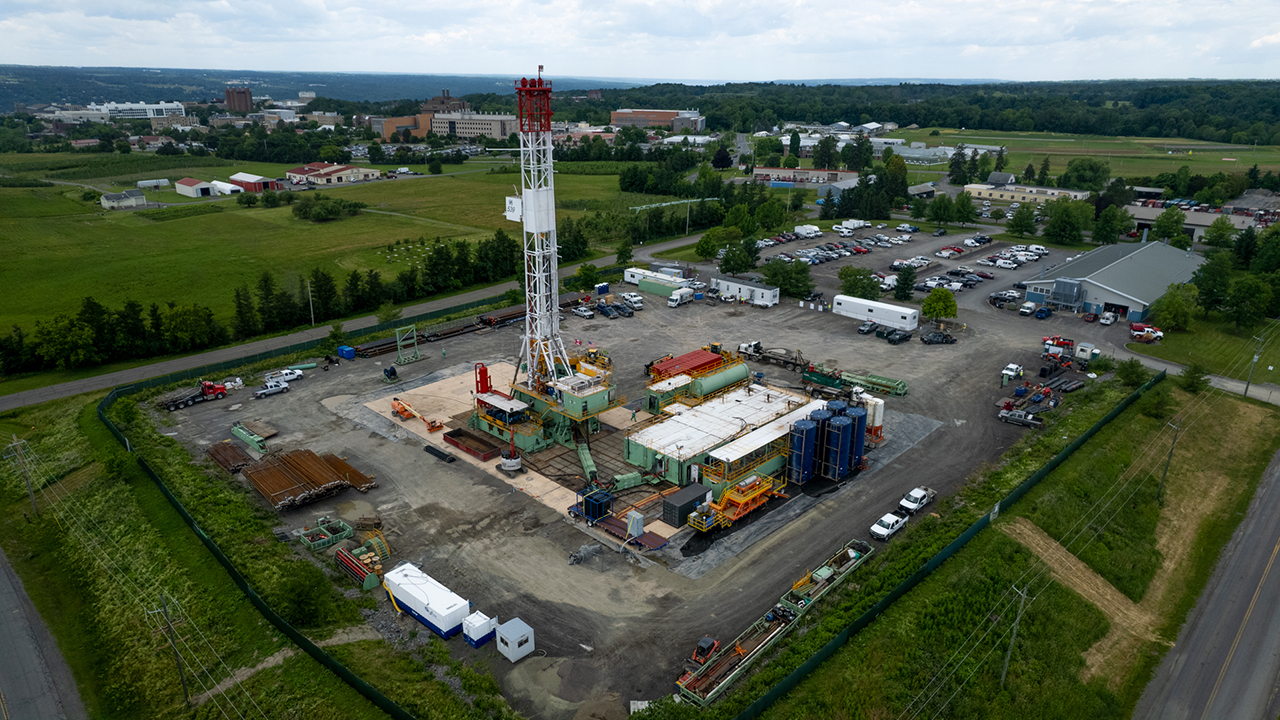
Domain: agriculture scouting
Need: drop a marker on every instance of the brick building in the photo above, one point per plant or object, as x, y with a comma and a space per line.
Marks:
239, 100
471, 125
676, 120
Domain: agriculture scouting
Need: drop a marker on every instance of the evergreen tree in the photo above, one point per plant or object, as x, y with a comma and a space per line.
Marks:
957, 167
1043, 178
268, 310
324, 295
353, 293
902, 291
827, 210
625, 251
246, 323
1001, 160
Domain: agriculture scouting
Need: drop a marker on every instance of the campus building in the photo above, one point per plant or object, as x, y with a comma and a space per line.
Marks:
1125, 278
676, 120
1022, 193
239, 100
139, 110
472, 125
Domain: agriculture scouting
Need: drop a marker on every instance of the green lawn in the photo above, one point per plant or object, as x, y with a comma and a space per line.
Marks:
1220, 348
1126, 155
59, 250
684, 253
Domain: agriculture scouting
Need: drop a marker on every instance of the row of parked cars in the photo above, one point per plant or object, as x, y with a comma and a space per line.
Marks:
625, 306
910, 504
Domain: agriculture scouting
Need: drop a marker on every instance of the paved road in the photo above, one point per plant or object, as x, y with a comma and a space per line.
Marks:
1226, 662
35, 682
124, 377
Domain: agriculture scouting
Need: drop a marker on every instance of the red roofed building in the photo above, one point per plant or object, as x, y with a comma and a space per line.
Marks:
322, 173
254, 183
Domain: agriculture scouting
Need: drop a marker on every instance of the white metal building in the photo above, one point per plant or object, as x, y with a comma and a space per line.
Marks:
515, 639
225, 188
138, 110
1125, 278
754, 292
894, 316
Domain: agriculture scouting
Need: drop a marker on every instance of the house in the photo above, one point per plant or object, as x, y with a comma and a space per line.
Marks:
80, 144
1125, 278
322, 173
120, 201
1001, 178
191, 187
254, 183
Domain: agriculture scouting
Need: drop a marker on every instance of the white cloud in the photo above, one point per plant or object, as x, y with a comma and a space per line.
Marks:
696, 39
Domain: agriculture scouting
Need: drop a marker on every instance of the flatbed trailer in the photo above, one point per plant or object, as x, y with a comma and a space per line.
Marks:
704, 685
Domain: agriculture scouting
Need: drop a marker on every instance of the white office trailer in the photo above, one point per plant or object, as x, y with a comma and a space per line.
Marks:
753, 292
894, 316
430, 603
635, 275
515, 639
478, 629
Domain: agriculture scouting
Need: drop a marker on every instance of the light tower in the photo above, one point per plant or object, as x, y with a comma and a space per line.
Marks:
543, 353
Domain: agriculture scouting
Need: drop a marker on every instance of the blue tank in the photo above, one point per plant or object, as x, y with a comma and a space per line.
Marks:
859, 417
839, 445
820, 418
803, 439
838, 407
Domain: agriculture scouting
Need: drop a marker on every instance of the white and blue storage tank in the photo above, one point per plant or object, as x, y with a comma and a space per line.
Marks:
426, 600
478, 629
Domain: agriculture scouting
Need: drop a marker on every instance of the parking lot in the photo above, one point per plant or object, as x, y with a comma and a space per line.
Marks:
619, 627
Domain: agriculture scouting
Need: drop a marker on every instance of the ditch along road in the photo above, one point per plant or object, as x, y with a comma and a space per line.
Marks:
124, 377
1226, 661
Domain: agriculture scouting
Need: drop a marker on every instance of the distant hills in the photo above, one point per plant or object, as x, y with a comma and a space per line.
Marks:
32, 84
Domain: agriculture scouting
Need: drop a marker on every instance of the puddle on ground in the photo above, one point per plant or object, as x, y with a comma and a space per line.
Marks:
354, 510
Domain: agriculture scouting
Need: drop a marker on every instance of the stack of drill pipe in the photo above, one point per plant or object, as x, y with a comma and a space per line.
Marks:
230, 457
376, 347
354, 478
294, 478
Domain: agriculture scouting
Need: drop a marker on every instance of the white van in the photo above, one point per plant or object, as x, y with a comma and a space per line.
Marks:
1006, 264
1027, 308
1038, 249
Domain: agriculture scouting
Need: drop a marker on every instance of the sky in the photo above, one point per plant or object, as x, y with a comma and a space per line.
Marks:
696, 40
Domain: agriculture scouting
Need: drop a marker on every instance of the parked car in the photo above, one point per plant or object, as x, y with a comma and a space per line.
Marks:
984, 275
939, 232
937, 338
1108, 318
608, 311
891, 523
915, 500
583, 312
622, 309
867, 327
1044, 313
271, 388
1090, 317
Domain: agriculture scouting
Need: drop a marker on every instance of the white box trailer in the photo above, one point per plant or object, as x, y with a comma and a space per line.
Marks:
808, 231
854, 224
635, 275
894, 316
753, 292
426, 600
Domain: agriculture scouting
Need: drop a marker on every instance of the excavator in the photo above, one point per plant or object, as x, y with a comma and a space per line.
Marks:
406, 411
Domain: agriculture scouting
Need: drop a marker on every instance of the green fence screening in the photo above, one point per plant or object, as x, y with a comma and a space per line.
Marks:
790, 681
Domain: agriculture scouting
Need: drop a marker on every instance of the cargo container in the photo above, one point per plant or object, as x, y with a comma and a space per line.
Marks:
677, 506
894, 316
426, 600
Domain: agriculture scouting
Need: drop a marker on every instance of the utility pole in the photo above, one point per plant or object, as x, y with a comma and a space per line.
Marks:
311, 303
168, 629
1023, 595
1256, 354
1160, 492
17, 453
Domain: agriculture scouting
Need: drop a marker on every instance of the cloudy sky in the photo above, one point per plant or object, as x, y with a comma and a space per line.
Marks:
710, 40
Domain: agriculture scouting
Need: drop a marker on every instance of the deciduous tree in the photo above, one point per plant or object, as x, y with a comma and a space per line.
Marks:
941, 303
859, 282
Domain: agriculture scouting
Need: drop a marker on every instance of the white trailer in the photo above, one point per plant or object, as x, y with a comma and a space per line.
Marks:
894, 316
426, 600
753, 292
635, 275
854, 224
808, 231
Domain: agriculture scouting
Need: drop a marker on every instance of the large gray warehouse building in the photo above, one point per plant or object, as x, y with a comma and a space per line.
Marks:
1126, 278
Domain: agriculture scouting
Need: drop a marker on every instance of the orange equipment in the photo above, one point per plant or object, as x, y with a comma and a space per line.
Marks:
705, 648
405, 410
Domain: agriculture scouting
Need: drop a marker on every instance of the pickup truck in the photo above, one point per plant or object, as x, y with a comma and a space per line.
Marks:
286, 375
1020, 417
891, 523
913, 501
271, 388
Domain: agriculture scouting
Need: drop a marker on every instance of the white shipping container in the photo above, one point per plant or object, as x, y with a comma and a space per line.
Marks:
635, 275
894, 316
429, 602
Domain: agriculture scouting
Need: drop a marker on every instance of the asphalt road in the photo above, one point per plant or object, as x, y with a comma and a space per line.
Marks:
124, 377
35, 682
1226, 661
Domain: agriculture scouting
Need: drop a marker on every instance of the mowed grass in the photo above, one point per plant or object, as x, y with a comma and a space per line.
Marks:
1220, 348
43, 202
1126, 155
58, 250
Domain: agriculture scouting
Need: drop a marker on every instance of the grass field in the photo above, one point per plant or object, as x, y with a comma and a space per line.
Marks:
1069, 660
1127, 156
59, 249
1220, 348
